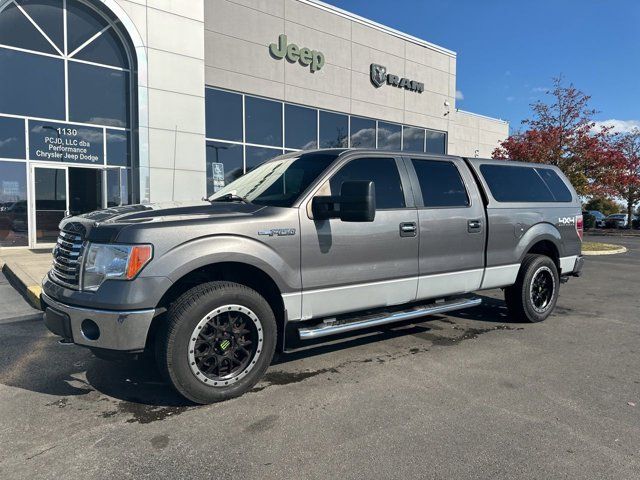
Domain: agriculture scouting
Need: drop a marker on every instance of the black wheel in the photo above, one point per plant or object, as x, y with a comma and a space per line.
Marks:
217, 342
534, 295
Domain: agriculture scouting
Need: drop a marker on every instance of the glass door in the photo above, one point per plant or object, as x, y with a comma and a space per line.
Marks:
85, 190
50, 203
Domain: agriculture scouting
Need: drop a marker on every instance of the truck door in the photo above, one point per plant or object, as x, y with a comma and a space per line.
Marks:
350, 266
452, 225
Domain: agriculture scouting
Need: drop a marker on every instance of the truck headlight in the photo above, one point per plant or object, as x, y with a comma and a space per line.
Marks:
113, 262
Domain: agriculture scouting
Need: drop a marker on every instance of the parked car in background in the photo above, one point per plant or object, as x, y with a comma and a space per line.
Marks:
599, 216
617, 220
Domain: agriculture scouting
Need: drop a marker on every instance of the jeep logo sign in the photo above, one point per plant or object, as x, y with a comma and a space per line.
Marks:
305, 56
379, 77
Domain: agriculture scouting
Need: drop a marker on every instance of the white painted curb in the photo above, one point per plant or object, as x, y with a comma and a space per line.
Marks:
605, 252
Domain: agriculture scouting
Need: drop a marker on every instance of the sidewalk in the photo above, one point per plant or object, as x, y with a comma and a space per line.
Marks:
25, 269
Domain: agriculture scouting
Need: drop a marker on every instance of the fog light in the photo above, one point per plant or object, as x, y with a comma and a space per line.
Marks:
90, 330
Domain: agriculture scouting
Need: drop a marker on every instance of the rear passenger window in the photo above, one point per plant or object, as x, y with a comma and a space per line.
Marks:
510, 183
556, 185
440, 183
382, 171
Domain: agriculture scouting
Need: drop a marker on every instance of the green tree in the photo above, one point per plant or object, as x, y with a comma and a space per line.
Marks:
603, 204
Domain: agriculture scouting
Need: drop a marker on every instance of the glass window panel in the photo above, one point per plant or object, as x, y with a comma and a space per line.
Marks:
48, 15
13, 205
301, 127
556, 185
106, 49
125, 186
98, 95
24, 92
382, 171
82, 23
63, 142
264, 121
224, 115
12, 143
50, 187
334, 130
412, 139
515, 184
363, 133
258, 155
113, 187
118, 148
224, 165
441, 184
17, 31
389, 136
436, 142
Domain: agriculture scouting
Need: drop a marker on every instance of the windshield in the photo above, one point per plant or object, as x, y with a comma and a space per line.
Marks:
279, 182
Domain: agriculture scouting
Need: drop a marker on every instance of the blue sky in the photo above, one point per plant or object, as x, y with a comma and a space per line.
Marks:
508, 51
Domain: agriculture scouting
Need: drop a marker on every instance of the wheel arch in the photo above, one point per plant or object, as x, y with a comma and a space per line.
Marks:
541, 239
232, 271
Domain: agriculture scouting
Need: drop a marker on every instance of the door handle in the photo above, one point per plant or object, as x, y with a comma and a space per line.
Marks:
408, 229
474, 226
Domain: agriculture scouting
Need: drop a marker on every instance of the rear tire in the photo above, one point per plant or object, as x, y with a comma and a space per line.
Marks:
534, 295
217, 341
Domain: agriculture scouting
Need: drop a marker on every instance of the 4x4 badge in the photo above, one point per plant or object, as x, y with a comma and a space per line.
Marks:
278, 232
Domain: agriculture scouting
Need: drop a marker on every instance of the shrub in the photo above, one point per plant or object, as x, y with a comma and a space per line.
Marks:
589, 220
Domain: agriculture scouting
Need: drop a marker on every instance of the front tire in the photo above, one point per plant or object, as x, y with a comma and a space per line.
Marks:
534, 295
217, 342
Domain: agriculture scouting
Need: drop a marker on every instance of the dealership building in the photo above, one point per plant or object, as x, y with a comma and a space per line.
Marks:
111, 102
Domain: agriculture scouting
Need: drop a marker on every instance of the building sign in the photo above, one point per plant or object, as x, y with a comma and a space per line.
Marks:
62, 142
305, 56
218, 176
379, 77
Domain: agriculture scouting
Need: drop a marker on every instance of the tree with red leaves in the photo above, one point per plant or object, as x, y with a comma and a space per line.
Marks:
628, 177
563, 133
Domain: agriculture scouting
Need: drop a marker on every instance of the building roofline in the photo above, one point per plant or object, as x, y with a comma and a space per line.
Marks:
464, 112
378, 26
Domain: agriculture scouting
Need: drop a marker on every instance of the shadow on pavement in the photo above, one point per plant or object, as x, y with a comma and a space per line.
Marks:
32, 359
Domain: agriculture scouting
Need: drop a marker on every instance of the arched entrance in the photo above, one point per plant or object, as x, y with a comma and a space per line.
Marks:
68, 114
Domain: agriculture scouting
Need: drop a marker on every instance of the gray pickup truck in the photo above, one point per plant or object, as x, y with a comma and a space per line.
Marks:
306, 246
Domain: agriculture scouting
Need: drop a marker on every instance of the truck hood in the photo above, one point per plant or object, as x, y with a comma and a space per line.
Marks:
103, 225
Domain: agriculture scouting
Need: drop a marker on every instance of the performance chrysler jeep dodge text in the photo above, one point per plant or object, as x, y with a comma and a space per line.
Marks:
305, 246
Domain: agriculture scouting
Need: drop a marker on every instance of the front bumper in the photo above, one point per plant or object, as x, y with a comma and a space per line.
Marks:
117, 330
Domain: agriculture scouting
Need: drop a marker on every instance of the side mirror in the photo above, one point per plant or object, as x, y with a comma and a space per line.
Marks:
356, 203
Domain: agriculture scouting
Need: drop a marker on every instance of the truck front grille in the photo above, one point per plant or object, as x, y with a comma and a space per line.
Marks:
66, 260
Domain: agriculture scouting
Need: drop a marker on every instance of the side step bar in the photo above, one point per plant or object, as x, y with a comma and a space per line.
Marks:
325, 329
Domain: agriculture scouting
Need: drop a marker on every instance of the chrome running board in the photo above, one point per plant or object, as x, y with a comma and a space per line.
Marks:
334, 327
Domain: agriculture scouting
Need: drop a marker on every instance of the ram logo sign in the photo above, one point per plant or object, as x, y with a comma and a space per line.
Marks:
379, 77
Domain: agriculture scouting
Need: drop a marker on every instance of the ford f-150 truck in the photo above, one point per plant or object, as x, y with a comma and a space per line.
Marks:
306, 246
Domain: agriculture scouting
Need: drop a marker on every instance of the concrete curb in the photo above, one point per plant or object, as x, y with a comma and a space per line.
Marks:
19, 279
605, 252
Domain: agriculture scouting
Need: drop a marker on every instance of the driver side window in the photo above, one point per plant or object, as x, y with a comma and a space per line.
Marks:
382, 171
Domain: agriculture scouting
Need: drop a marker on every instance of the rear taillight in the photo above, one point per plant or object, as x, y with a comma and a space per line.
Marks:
580, 226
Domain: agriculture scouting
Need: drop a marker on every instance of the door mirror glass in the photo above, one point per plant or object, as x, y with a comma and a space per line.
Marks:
356, 203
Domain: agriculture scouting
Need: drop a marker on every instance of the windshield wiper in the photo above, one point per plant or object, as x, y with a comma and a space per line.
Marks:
229, 197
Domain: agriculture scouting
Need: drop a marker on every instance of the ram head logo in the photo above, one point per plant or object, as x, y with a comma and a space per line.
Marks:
378, 74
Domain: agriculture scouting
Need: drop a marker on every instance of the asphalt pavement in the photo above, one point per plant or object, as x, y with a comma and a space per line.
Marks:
466, 395
13, 307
